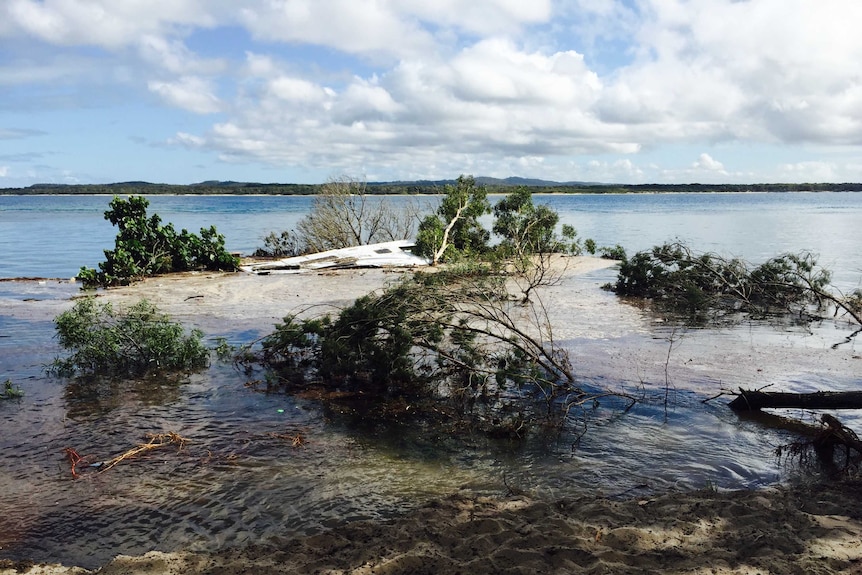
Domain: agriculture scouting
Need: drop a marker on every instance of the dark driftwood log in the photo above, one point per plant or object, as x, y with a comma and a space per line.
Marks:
753, 400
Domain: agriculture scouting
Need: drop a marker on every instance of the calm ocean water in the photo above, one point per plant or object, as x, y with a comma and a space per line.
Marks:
238, 481
53, 236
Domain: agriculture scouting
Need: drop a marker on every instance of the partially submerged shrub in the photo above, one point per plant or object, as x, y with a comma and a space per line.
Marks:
616, 252
106, 341
10, 391
681, 279
453, 342
144, 247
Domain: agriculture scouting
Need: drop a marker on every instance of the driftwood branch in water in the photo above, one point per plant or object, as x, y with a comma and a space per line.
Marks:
749, 400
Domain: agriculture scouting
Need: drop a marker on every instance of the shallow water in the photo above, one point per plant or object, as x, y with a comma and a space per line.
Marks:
239, 479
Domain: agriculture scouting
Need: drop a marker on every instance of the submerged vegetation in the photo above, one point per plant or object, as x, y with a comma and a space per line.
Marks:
121, 343
454, 344
707, 285
145, 247
10, 391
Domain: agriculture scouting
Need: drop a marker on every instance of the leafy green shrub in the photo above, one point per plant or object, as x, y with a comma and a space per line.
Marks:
524, 227
144, 247
611, 253
106, 341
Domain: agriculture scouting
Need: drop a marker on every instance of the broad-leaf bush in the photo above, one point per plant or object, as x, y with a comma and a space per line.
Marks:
102, 340
145, 247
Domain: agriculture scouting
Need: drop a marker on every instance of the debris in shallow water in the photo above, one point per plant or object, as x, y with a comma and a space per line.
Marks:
155, 441
296, 440
74, 460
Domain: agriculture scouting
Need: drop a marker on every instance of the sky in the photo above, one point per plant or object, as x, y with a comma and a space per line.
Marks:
304, 91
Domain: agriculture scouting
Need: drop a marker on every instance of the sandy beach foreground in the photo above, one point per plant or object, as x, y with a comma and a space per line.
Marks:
813, 529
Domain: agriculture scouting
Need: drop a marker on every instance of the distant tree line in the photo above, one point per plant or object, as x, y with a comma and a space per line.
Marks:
409, 188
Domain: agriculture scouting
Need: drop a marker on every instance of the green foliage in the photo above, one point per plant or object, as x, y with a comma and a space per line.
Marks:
677, 277
429, 240
455, 231
526, 228
144, 247
283, 245
613, 253
452, 339
11, 391
105, 341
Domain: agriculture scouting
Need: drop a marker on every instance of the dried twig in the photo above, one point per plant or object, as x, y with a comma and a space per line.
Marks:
156, 440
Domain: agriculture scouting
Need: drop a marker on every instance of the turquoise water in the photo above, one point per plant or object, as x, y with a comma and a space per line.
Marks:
239, 481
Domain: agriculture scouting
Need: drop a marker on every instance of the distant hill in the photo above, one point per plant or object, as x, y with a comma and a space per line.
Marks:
491, 182
493, 185
532, 182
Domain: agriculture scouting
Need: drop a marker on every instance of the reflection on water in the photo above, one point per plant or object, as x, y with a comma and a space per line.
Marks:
239, 479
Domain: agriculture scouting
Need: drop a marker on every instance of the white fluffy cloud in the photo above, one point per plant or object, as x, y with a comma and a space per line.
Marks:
706, 162
189, 93
106, 23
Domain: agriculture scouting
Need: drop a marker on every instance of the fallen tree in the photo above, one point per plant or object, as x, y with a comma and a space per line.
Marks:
710, 286
455, 344
751, 400
836, 448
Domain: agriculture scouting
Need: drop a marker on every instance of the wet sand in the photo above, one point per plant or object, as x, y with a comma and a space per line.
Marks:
815, 530
804, 529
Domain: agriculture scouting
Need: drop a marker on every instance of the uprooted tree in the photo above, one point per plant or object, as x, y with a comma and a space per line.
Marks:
710, 287
454, 344
146, 247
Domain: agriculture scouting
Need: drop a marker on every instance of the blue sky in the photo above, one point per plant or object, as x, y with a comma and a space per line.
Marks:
632, 91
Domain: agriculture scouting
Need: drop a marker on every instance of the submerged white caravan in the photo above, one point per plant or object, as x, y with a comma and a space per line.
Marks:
387, 254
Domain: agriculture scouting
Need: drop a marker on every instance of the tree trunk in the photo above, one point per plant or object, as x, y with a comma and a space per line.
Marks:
754, 400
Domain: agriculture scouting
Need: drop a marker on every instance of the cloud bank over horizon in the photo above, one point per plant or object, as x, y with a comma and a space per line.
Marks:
627, 91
